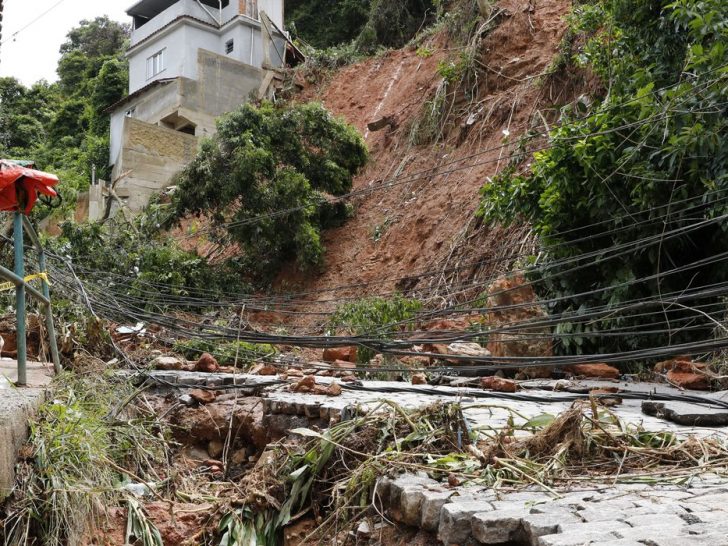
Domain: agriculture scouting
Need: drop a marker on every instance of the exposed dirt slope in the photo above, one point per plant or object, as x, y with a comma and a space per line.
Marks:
426, 223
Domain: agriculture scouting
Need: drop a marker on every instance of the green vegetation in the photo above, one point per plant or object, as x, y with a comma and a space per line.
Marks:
266, 180
142, 264
86, 446
369, 24
62, 126
377, 318
648, 160
230, 353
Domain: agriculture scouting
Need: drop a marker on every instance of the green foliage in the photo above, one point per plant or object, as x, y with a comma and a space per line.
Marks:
367, 24
659, 136
142, 265
263, 178
226, 353
62, 126
79, 440
377, 318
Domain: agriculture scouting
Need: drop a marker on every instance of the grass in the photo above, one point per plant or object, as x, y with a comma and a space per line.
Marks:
84, 446
334, 473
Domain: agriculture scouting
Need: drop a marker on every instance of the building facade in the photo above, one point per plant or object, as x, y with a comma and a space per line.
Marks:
190, 61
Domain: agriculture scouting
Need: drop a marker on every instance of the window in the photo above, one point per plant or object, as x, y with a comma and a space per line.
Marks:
155, 64
229, 46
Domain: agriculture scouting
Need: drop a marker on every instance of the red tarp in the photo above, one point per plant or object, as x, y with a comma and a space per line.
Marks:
27, 183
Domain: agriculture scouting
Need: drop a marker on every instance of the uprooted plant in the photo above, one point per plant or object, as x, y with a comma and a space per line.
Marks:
334, 474
86, 445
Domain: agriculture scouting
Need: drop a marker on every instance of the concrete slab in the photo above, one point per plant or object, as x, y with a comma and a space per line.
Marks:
17, 406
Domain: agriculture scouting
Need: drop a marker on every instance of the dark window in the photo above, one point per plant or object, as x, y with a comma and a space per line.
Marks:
229, 46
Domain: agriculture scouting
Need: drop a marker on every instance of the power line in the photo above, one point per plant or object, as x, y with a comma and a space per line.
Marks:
31, 23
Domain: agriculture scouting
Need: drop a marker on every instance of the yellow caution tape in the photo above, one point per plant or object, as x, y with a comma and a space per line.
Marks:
4, 287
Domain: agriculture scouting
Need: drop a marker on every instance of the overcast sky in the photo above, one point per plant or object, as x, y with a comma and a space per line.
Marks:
32, 55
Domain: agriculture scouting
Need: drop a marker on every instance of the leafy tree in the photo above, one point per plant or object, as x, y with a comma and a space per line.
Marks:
264, 176
100, 37
369, 23
659, 137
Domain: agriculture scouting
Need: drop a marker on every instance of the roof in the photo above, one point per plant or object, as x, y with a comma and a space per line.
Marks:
151, 8
138, 92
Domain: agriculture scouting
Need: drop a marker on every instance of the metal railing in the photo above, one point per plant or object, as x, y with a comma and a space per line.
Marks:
21, 224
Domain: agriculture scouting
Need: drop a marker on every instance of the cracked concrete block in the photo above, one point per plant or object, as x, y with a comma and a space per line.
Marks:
432, 502
455, 525
497, 526
576, 538
596, 527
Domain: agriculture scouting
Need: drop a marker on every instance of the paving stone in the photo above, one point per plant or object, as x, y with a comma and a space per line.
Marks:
538, 525
596, 527
704, 540
432, 502
577, 538
410, 505
597, 513
650, 532
497, 526
656, 520
455, 525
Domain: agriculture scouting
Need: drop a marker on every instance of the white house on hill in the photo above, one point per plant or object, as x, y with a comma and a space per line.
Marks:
189, 62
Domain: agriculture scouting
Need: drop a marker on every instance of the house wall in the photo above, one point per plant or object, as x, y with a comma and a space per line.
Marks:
152, 155
182, 7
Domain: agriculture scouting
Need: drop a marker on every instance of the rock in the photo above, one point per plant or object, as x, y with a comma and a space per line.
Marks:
268, 370
187, 400
597, 370
295, 372
467, 349
307, 384
344, 365
207, 364
498, 384
347, 354
686, 373
240, 456
381, 123
419, 379
215, 449
334, 390
168, 363
513, 301
203, 396
689, 380
348, 378
679, 364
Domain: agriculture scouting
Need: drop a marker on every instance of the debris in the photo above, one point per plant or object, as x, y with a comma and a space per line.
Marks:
168, 363
381, 123
268, 370
597, 370
215, 448
467, 349
187, 400
203, 396
307, 384
138, 329
685, 373
419, 379
334, 389
499, 384
347, 354
207, 364
343, 364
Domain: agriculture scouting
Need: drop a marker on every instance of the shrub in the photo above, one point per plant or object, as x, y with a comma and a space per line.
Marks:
262, 177
377, 318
